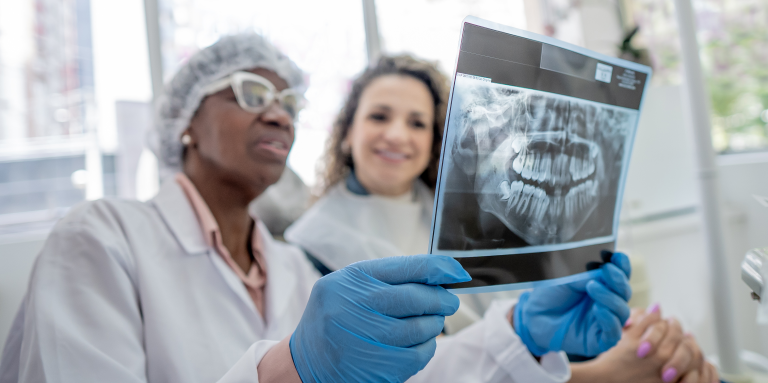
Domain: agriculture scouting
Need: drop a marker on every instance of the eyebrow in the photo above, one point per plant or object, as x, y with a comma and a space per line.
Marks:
389, 108
382, 106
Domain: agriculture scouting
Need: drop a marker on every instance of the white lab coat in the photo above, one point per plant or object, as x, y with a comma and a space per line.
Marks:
125, 291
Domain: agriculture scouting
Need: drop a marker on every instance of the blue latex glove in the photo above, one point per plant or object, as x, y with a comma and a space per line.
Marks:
581, 318
375, 321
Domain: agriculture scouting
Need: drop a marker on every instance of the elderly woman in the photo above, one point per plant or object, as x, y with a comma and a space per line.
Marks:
191, 288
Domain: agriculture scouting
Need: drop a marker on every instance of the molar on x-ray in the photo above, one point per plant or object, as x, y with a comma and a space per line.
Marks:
540, 163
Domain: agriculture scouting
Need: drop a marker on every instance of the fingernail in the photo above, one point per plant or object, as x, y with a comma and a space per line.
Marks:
653, 309
644, 349
628, 323
669, 375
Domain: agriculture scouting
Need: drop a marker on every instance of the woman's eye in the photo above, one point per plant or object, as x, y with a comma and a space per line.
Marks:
418, 124
378, 117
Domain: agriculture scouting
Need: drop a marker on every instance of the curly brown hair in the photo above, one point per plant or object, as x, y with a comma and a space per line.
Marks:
338, 164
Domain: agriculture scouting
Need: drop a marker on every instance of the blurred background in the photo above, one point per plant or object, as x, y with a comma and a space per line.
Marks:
76, 92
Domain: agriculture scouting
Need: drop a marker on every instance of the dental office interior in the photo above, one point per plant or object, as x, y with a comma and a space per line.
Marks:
77, 79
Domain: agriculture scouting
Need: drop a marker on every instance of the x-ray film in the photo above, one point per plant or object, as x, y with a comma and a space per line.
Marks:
535, 154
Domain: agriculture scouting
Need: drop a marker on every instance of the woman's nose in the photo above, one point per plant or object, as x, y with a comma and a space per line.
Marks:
397, 132
275, 115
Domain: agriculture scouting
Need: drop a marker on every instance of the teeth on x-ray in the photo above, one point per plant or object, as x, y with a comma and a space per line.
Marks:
540, 161
534, 202
542, 167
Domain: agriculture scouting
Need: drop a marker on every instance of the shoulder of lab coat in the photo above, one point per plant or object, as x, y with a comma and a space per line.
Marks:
86, 312
490, 351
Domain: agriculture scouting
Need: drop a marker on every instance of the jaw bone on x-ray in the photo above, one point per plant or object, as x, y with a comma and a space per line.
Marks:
542, 163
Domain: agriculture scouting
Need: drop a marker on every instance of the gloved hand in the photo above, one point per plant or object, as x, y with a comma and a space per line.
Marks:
581, 318
375, 321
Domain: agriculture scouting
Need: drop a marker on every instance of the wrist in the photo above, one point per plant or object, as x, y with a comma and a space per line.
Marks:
277, 365
587, 372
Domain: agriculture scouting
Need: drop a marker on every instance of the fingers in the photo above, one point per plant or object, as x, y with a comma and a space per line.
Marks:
668, 346
622, 261
642, 321
686, 358
615, 279
691, 377
428, 269
425, 351
409, 332
613, 302
413, 299
705, 374
652, 337
635, 315
610, 326
714, 377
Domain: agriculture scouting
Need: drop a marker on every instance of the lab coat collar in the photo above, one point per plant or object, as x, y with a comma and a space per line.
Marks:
178, 214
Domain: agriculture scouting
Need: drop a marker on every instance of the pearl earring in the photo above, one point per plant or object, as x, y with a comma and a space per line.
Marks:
186, 139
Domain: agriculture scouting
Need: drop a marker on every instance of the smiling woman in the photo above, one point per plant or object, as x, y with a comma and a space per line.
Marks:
390, 137
411, 124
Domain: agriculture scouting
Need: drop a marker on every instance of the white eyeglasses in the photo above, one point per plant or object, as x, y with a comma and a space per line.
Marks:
255, 93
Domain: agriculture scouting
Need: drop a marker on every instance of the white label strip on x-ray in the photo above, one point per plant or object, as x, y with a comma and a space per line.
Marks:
603, 73
485, 79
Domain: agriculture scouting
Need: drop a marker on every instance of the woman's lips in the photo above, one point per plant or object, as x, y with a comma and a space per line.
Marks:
276, 147
391, 157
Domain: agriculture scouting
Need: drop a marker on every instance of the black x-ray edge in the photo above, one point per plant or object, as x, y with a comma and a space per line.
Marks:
574, 259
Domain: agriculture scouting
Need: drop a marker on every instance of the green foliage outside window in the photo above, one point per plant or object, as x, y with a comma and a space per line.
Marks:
733, 37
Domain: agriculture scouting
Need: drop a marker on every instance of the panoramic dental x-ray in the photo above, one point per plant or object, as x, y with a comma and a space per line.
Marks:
536, 150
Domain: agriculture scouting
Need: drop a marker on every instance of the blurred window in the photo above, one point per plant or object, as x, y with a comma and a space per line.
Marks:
733, 38
430, 29
47, 111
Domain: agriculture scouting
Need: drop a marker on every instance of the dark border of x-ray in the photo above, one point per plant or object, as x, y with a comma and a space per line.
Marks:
437, 213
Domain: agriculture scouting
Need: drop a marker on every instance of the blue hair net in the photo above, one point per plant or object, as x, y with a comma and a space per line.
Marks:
181, 96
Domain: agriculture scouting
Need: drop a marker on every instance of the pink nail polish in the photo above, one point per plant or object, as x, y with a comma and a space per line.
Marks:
669, 375
653, 309
628, 323
644, 349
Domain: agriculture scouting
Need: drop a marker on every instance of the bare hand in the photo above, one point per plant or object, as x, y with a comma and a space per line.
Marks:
664, 342
650, 347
